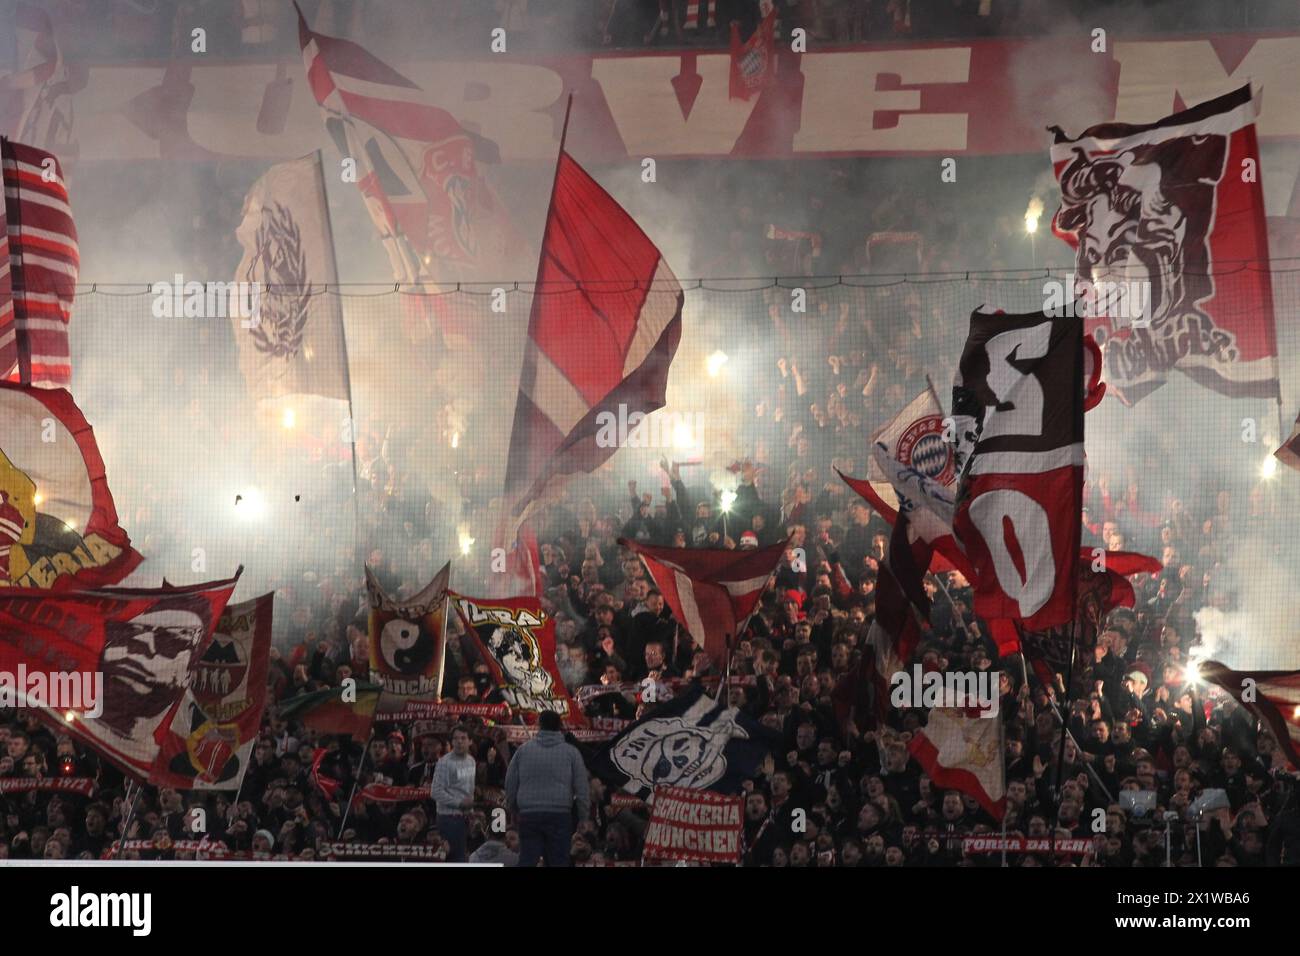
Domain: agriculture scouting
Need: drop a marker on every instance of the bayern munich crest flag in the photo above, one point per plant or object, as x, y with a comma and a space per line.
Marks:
1162, 216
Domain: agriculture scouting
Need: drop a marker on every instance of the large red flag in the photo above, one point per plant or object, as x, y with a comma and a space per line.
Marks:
604, 327
711, 591
1167, 213
58, 526
141, 641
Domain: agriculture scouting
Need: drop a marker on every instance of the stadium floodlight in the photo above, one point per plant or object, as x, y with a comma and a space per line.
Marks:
289, 418
466, 542
713, 364
1268, 468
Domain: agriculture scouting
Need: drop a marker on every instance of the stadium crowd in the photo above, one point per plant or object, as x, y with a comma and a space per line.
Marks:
1137, 723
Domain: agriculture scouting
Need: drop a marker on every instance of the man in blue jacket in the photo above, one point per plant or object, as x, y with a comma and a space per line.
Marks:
547, 781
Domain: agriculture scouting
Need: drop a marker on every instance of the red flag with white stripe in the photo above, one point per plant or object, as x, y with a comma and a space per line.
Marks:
417, 167
39, 262
711, 591
602, 334
1271, 696
1018, 406
962, 752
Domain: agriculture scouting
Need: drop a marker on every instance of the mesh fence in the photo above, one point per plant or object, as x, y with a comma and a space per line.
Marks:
205, 476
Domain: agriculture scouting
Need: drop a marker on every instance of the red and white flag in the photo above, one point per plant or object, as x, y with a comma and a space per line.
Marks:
962, 751
39, 262
895, 630
602, 334
516, 640
208, 742
1273, 697
753, 62
711, 591
417, 167
1166, 213
918, 460
1018, 407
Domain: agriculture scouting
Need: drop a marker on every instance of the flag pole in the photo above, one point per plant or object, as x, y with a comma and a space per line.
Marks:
356, 782
347, 367
951, 603
1065, 730
130, 814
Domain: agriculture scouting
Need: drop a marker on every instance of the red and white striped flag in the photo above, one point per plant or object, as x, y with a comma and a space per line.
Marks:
711, 591
963, 752
38, 268
602, 334
417, 167
1271, 696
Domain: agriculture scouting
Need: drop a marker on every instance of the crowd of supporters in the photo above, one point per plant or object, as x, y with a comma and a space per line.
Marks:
1137, 720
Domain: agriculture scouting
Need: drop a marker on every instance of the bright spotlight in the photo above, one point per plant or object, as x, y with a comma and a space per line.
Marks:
1031, 224
289, 419
726, 500
70, 716
38, 498
466, 543
455, 439
713, 364
250, 505
1268, 468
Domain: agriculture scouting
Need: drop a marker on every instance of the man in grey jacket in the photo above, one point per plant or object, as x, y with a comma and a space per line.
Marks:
546, 782
453, 791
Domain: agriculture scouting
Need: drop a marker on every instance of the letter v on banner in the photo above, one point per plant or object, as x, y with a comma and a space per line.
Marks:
1019, 403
